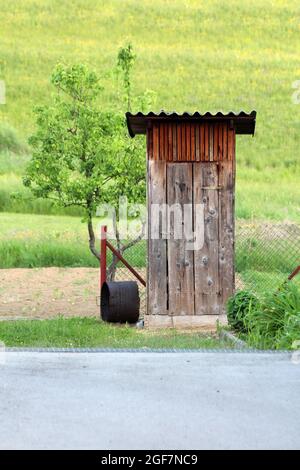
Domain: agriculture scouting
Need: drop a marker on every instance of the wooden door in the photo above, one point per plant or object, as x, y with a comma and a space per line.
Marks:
181, 281
206, 259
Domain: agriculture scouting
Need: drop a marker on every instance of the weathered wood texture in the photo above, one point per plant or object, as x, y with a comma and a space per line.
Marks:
180, 260
157, 282
190, 142
198, 177
207, 282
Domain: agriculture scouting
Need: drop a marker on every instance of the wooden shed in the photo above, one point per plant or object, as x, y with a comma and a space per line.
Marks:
190, 164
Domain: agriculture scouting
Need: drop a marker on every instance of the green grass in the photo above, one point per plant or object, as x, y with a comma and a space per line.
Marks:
273, 321
32, 241
29, 240
10, 141
274, 255
91, 332
35, 240
12, 165
268, 194
194, 54
260, 282
14, 197
44, 253
257, 194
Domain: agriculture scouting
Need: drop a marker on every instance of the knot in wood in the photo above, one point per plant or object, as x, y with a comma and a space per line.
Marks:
182, 186
205, 260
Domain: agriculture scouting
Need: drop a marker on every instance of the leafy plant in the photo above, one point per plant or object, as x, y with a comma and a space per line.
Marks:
82, 154
275, 323
126, 59
73, 145
238, 307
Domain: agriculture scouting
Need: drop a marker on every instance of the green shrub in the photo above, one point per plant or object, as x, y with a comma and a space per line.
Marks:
275, 323
237, 308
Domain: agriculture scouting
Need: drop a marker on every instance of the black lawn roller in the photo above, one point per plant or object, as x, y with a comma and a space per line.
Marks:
120, 302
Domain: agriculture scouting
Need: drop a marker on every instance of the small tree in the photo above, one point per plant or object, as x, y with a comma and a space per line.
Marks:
82, 155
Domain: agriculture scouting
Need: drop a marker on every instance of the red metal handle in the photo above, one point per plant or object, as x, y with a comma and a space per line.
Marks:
294, 273
103, 248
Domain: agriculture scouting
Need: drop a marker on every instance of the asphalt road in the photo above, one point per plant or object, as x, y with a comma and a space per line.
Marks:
214, 400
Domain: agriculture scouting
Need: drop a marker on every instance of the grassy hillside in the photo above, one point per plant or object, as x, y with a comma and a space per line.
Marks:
196, 55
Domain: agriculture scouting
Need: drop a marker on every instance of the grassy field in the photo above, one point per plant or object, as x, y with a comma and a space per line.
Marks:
195, 55
30, 240
90, 332
257, 196
265, 254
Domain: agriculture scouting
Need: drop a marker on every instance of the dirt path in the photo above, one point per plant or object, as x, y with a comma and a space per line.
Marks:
48, 292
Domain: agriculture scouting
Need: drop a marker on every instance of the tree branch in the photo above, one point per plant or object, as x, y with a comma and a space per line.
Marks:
135, 240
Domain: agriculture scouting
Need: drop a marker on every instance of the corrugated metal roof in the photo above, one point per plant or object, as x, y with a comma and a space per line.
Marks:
244, 123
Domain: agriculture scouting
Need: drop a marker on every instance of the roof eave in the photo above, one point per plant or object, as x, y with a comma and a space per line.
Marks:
243, 122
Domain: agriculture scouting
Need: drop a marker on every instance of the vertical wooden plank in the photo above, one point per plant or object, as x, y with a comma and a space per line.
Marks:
211, 143
202, 142
206, 259
231, 143
180, 260
226, 231
161, 141
183, 142
193, 142
188, 141
216, 142
170, 142
206, 142
197, 143
149, 134
157, 248
155, 141
174, 142
220, 142
225, 144
179, 142
166, 142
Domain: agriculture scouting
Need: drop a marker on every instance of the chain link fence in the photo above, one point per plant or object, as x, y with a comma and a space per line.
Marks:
265, 255
136, 256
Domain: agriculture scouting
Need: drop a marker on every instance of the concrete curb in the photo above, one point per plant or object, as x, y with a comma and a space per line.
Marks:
147, 351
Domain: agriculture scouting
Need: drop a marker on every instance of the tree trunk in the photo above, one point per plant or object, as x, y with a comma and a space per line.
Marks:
92, 239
